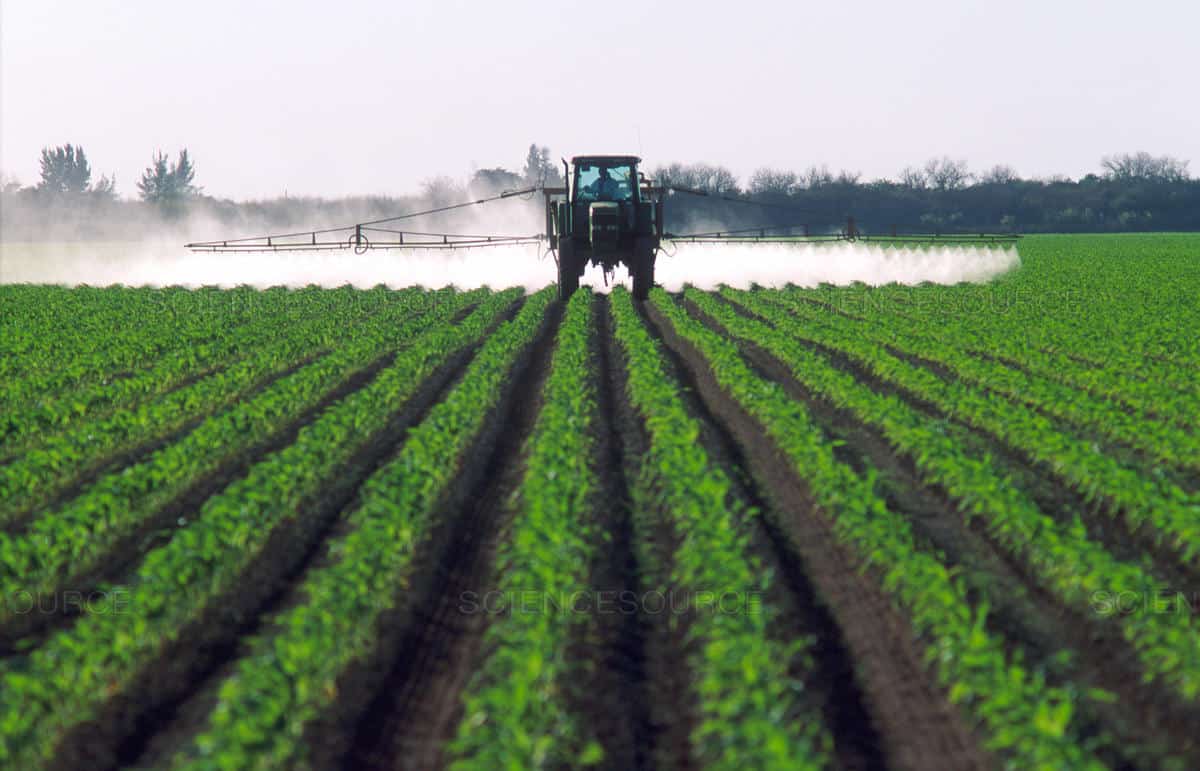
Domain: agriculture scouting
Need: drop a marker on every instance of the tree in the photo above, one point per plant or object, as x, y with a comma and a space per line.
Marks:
441, 191
1144, 166
539, 169
770, 182
914, 178
166, 184
845, 177
493, 181
65, 171
1000, 174
815, 177
698, 176
105, 188
947, 174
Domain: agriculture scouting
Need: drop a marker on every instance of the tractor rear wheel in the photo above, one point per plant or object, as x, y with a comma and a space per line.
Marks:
568, 276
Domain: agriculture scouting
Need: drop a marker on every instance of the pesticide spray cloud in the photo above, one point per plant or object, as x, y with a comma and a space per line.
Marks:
165, 263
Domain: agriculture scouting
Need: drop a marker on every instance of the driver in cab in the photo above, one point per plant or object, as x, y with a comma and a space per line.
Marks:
603, 188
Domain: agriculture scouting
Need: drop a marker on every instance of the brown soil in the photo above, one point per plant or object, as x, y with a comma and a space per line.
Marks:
608, 690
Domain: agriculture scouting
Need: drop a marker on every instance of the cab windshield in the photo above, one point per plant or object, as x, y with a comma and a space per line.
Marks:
596, 182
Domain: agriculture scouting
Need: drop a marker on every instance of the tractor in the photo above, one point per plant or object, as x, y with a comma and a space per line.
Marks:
608, 214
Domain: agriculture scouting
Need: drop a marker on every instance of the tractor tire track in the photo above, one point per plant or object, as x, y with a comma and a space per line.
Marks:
610, 695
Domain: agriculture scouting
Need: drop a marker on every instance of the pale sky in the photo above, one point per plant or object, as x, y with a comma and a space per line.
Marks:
338, 98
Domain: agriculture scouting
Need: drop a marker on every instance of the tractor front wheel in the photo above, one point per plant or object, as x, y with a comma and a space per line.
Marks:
642, 271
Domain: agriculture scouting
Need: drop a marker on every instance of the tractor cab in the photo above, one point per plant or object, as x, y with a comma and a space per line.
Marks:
607, 216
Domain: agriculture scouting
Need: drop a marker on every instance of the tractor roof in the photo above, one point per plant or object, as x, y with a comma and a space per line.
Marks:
631, 160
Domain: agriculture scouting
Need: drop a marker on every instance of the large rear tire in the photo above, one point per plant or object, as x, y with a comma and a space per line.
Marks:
568, 275
643, 276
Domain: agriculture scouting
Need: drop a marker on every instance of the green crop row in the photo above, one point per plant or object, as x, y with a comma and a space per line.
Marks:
77, 537
1021, 716
141, 339
29, 418
1157, 397
745, 697
515, 715
291, 673
1164, 441
61, 337
1171, 514
69, 678
58, 462
1071, 566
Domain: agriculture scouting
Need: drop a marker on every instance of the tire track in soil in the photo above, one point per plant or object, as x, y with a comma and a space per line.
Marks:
1052, 494
173, 695
399, 709
1146, 726
610, 695
917, 726
832, 690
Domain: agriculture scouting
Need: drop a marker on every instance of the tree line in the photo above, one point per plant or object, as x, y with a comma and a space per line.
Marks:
1129, 191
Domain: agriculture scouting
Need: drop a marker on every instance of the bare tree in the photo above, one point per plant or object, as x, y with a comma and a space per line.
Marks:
1143, 165
947, 174
766, 181
815, 176
1000, 174
914, 178
845, 177
698, 176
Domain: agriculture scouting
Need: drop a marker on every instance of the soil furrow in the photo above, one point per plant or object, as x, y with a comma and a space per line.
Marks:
400, 710
611, 694
1053, 495
1146, 725
832, 690
665, 718
166, 694
917, 726
87, 475
159, 735
161, 525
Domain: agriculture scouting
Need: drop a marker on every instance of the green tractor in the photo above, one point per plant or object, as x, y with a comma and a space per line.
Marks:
607, 215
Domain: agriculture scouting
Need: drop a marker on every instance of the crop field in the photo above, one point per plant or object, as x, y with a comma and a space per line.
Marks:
930, 527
